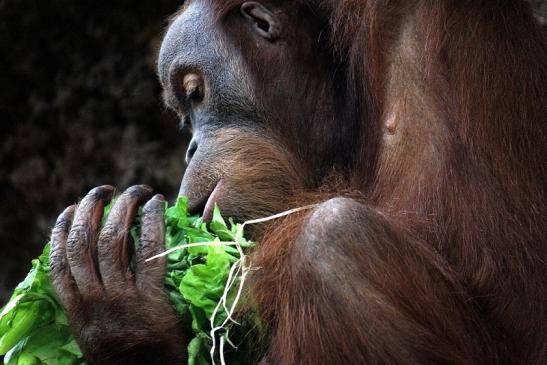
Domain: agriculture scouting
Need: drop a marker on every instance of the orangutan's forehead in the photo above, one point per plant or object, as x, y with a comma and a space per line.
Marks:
221, 7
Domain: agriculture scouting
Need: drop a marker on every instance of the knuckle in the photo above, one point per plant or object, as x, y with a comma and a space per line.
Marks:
57, 262
149, 247
151, 238
79, 234
146, 241
79, 230
109, 231
56, 255
61, 225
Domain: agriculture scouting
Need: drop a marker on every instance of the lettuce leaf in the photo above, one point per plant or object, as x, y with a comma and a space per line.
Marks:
34, 329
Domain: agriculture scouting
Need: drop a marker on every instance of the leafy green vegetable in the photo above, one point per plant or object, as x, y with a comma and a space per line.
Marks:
33, 326
34, 329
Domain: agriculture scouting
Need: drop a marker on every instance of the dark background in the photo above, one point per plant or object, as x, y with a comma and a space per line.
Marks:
80, 106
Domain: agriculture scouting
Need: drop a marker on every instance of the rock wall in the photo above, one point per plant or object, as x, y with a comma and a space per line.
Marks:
80, 106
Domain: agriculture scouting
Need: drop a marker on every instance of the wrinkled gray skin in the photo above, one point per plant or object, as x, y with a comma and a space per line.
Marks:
194, 43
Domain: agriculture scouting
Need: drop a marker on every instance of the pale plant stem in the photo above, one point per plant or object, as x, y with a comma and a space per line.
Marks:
196, 244
222, 362
279, 215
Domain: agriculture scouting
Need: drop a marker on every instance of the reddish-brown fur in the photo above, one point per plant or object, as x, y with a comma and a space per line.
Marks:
451, 100
418, 127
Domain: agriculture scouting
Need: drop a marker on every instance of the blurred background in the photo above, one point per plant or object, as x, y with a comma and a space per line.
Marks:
80, 106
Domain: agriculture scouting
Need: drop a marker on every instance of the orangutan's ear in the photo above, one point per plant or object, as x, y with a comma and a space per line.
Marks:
263, 21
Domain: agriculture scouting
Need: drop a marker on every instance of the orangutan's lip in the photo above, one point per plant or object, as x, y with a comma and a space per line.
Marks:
197, 202
210, 204
196, 206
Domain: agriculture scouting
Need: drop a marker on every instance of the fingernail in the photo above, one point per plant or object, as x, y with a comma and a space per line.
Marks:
138, 191
157, 202
145, 187
69, 210
102, 192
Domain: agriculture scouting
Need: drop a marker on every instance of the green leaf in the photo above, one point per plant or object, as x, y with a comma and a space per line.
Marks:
34, 328
203, 284
218, 226
53, 345
197, 351
196, 235
179, 212
20, 326
26, 358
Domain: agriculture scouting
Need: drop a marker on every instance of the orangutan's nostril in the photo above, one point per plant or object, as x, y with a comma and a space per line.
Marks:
192, 148
192, 84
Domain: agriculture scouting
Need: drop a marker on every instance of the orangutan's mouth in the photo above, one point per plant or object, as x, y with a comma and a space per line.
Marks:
206, 205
